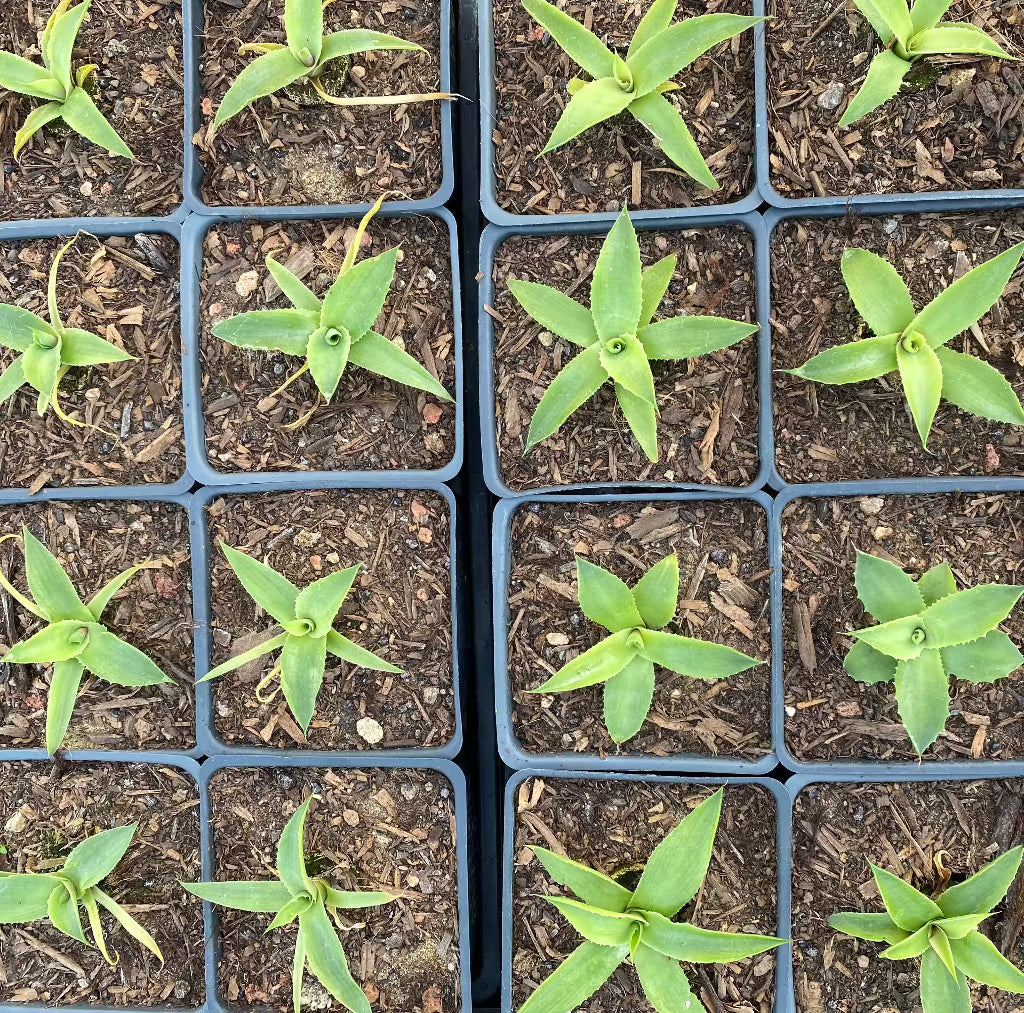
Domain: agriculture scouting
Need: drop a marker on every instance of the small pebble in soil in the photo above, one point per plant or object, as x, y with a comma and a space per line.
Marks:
833, 95
871, 506
719, 557
370, 730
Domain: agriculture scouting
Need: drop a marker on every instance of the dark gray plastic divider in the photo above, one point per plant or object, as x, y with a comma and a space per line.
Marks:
201, 555
130, 494
492, 238
783, 843
193, 234
193, 122
367, 761
508, 745
681, 217
12, 232
769, 222
113, 756
866, 769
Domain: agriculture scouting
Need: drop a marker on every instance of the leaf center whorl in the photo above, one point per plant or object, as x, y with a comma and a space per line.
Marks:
914, 342
918, 636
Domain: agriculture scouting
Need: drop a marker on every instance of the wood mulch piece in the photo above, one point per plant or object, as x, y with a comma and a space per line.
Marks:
708, 427
95, 541
613, 826
617, 161
124, 289
837, 717
957, 124
724, 588
140, 90
370, 423
864, 430
294, 149
839, 828
400, 608
46, 809
371, 829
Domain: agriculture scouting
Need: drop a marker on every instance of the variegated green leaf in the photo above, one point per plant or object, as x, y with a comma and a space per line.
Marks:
591, 887
697, 659
983, 891
855, 362
604, 598
682, 338
876, 928
909, 908
922, 694
579, 380
880, 295
581, 44
627, 699
657, 592
885, 75
576, 979
285, 331
593, 666
606, 928
616, 289
669, 128
885, 591
555, 312
978, 388
683, 941
303, 660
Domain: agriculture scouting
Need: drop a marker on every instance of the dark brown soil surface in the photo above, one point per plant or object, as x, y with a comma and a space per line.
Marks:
836, 716
708, 426
279, 152
370, 423
864, 430
124, 290
956, 124
400, 608
140, 91
724, 591
370, 830
839, 828
613, 826
95, 541
47, 809
617, 161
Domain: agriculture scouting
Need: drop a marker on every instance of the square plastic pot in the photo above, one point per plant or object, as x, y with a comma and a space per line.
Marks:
182, 762
492, 239
126, 494
509, 746
783, 871
101, 228
193, 236
681, 217
194, 120
215, 1002
202, 555
866, 770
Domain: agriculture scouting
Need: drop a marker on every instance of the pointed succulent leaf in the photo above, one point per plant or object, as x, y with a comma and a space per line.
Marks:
908, 908
24, 897
687, 337
978, 388
81, 114
616, 289
127, 922
590, 886
896, 15
28, 78
968, 615
61, 41
883, 81
83, 348
885, 591
939, 942
245, 657
576, 979
658, 17
854, 362
362, 40
350, 900
304, 29
939, 992
327, 960
683, 941
593, 666
927, 14
922, 695
275, 594
577, 383
291, 865
60, 703
96, 857
50, 585
53, 643
595, 102
657, 592
627, 699
377, 354
994, 656
654, 283
958, 927
555, 312
983, 891
38, 118
99, 601
343, 648
669, 128
977, 957
913, 946
875, 927
321, 601
302, 674
41, 367
581, 44
290, 911
664, 983
264, 896
293, 287
921, 373
356, 299
677, 867
697, 659
12, 379
265, 75
327, 356
642, 418
62, 910
954, 39
285, 331
606, 928
604, 598
869, 666
937, 583
879, 293
111, 659
17, 327
902, 639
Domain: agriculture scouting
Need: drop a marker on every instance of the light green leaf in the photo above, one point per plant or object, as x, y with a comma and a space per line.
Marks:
968, 615
895, 639
362, 40
291, 866
12, 379
642, 418
356, 299
62, 910
50, 586
265, 75
939, 942
60, 704
913, 946
577, 978
654, 284
908, 908
41, 367
298, 970
350, 900
376, 354
17, 327
937, 583
885, 75
327, 960
245, 657
604, 598
581, 44
876, 928
590, 886
664, 983
83, 348
977, 957
275, 594
922, 694
327, 356
878, 292
321, 601
928, 13
854, 362
978, 388
304, 29
663, 120
80, 113
99, 601
285, 331
658, 17
678, 865
595, 102
885, 591
290, 911
302, 674
97, 856
61, 41
869, 666
683, 941
697, 659
127, 922
593, 666
985, 889
24, 897
627, 699
343, 648
657, 592
921, 373
56, 642
993, 657
939, 992
688, 337
878, 23
38, 118
616, 289
293, 287
244, 895
555, 312
577, 383
955, 39
958, 927
27, 78
897, 17
606, 928
109, 658
968, 299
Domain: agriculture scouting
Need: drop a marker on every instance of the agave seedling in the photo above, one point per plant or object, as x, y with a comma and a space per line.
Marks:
48, 350
638, 83
336, 331
31, 896
311, 900
66, 94
74, 639
625, 661
618, 338
929, 631
910, 33
915, 343
618, 924
307, 635
943, 932
308, 53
